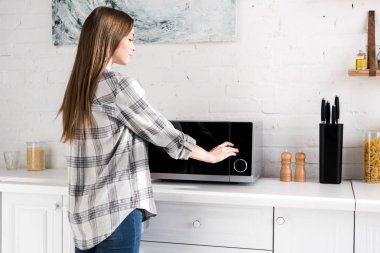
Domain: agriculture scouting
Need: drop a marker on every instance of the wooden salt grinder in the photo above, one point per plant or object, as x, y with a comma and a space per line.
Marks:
300, 173
286, 169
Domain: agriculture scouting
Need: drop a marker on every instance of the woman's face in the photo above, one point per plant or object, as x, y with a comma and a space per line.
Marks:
124, 50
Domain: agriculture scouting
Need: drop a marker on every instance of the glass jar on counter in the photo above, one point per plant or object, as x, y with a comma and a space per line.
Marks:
35, 155
371, 145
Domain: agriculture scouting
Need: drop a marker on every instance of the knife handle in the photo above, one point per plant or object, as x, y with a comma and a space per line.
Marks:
337, 108
333, 115
327, 112
323, 110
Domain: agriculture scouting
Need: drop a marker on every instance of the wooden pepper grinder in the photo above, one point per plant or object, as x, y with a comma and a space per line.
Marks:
286, 168
300, 173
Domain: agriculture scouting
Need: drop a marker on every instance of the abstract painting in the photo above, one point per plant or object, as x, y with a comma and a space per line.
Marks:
156, 21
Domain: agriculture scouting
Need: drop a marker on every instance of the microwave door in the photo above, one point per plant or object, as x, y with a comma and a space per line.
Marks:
208, 135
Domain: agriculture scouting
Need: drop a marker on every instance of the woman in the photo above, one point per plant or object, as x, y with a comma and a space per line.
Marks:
107, 123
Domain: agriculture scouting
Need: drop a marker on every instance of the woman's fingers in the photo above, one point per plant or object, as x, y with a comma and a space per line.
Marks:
227, 147
223, 151
226, 144
232, 152
230, 149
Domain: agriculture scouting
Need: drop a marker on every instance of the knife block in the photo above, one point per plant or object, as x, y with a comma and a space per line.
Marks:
330, 153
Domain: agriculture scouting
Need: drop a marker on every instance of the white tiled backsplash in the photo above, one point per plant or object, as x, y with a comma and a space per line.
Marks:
288, 55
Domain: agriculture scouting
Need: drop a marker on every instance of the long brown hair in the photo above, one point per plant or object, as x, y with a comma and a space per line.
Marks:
101, 33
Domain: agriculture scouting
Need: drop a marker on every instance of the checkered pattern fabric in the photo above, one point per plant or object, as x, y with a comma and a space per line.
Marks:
108, 165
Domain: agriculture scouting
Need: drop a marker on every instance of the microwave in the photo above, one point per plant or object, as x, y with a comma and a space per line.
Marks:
246, 167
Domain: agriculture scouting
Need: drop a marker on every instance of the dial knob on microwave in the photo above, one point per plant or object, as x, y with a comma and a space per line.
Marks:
240, 165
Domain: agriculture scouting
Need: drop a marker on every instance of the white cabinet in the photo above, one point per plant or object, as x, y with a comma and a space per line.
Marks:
210, 218
153, 247
367, 232
313, 231
31, 223
367, 217
210, 225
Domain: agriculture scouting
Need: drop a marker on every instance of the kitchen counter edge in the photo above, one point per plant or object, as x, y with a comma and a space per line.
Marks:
264, 192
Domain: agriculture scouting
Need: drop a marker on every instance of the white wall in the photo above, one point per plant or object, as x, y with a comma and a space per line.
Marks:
288, 55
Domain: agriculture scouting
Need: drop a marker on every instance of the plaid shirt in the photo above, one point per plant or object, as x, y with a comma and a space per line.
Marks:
108, 166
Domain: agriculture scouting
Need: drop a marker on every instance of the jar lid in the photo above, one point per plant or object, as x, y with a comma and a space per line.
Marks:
35, 143
361, 53
372, 134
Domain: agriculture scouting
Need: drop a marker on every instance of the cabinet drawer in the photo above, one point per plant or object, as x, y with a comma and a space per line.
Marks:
213, 225
155, 247
298, 230
367, 232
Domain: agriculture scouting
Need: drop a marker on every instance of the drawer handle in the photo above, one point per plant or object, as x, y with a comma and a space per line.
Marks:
196, 224
280, 220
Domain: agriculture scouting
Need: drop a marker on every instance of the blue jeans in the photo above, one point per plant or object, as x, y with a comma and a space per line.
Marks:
125, 239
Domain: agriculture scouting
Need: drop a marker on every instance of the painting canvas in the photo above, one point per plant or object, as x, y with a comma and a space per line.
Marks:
156, 21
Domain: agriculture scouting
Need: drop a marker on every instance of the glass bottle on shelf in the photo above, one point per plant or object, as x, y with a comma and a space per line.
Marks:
361, 61
378, 59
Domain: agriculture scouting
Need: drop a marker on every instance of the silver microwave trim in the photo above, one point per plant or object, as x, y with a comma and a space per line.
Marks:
190, 177
256, 163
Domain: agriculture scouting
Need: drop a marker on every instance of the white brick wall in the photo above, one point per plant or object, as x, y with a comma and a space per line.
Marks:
288, 55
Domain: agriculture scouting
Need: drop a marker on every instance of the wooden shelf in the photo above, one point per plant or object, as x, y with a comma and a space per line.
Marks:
372, 64
354, 72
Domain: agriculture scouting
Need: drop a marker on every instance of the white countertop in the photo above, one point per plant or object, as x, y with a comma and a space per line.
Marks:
264, 192
367, 196
49, 181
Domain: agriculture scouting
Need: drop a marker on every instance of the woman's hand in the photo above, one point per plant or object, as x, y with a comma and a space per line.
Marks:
223, 151
217, 154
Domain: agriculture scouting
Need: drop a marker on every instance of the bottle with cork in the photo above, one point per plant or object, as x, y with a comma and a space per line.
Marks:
286, 168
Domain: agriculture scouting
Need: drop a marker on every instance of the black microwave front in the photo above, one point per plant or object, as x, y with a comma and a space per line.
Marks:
245, 167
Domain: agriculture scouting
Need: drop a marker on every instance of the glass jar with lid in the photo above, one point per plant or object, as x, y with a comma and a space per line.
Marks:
35, 155
371, 145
